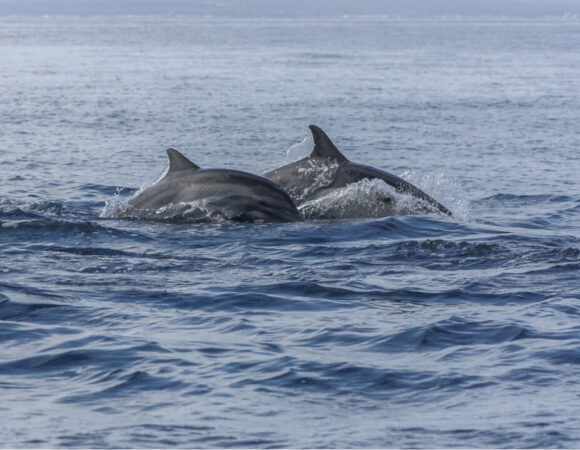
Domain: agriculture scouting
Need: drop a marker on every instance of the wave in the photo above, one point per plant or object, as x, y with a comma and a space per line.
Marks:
452, 332
14, 311
19, 208
525, 198
31, 228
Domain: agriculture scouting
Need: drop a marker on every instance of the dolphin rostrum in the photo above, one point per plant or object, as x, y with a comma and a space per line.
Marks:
327, 169
189, 193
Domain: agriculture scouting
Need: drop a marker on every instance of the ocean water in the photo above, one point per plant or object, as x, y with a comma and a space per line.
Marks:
403, 331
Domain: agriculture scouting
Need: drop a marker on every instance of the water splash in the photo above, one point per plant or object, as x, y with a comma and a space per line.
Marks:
115, 203
119, 199
364, 199
444, 189
300, 149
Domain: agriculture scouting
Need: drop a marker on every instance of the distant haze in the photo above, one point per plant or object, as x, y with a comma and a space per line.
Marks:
292, 8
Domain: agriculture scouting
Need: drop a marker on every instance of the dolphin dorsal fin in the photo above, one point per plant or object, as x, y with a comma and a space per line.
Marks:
178, 162
323, 146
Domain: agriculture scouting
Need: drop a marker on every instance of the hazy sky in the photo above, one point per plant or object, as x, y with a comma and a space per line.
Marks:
524, 8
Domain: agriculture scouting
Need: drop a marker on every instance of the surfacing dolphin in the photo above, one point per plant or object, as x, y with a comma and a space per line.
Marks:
189, 193
326, 169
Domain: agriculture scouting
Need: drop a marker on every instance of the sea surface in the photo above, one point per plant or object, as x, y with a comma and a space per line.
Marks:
402, 331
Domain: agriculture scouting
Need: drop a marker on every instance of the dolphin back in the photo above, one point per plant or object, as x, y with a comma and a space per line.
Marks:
327, 169
189, 193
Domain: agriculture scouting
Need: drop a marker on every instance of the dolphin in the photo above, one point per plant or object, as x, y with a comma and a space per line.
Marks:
327, 169
188, 193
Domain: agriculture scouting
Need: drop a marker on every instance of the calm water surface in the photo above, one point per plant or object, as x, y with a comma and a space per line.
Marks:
410, 331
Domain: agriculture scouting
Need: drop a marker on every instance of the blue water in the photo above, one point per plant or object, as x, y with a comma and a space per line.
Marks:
409, 331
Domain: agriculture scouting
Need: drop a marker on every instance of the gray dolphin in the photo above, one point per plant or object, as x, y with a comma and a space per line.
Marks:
326, 169
189, 193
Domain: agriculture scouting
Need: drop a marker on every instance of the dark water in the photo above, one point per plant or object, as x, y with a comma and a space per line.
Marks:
410, 331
